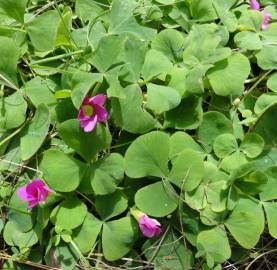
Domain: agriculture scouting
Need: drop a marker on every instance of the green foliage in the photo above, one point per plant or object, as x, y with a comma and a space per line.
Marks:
9, 57
62, 172
69, 214
190, 137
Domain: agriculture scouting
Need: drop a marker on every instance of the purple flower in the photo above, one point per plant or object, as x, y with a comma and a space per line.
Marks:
92, 111
149, 226
266, 20
34, 193
254, 4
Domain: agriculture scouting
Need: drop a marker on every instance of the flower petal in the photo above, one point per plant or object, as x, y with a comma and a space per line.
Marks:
254, 4
32, 203
266, 20
149, 226
98, 99
101, 113
22, 194
89, 125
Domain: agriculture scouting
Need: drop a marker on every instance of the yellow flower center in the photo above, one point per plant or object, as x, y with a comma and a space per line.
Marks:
88, 110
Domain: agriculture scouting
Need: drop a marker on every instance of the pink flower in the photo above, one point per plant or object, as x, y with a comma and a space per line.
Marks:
266, 20
149, 226
92, 111
34, 193
254, 4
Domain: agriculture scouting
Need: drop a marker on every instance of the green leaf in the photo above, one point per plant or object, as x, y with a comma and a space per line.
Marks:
246, 222
214, 242
265, 128
133, 56
13, 236
9, 55
156, 200
115, 89
145, 157
252, 183
132, 118
82, 82
224, 145
213, 125
171, 255
107, 173
270, 189
248, 40
117, 200
252, 145
87, 10
8, 232
217, 194
14, 9
35, 133
202, 51
23, 222
180, 141
233, 161
269, 35
62, 173
162, 98
85, 236
86, 144
122, 21
264, 101
107, 52
267, 57
203, 10
69, 214
178, 80
272, 82
250, 20
63, 37
171, 43
43, 31
25, 240
188, 115
155, 64
271, 215
67, 257
40, 90
121, 233
227, 77
60, 94
12, 111
187, 170
12, 156
227, 17
165, 2
196, 199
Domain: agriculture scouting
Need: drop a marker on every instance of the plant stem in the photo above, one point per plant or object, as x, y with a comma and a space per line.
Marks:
16, 209
83, 259
57, 57
14, 133
12, 28
256, 84
98, 259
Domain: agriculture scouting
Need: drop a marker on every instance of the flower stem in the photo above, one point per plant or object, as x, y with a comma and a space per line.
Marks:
16, 209
82, 258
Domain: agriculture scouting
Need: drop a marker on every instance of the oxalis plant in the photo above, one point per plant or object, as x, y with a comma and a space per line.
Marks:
138, 134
